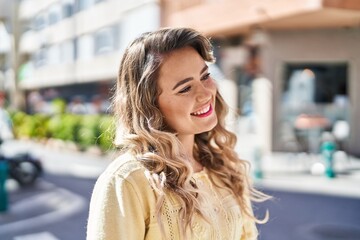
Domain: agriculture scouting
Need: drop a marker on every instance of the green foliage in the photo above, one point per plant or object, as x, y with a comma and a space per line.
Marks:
107, 132
85, 130
40, 125
64, 126
30, 126
58, 105
26, 127
17, 119
88, 130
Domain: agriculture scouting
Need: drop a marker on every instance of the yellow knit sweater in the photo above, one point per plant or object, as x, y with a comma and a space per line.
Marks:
123, 207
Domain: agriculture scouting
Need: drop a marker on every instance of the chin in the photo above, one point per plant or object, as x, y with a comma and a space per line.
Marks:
210, 127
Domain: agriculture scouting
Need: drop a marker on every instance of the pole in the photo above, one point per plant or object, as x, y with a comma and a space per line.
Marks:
258, 172
16, 95
328, 149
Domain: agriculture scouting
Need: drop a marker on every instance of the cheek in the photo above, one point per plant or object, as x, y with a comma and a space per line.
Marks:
211, 85
173, 110
166, 107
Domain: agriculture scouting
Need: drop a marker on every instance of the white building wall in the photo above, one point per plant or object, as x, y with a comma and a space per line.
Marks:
29, 8
123, 20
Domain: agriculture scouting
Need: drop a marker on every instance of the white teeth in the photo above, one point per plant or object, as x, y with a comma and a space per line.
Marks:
202, 111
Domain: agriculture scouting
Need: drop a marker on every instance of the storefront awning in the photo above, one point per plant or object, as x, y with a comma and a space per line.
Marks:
239, 16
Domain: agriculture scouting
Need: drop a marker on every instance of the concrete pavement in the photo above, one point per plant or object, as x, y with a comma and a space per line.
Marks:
61, 158
302, 172
282, 171
306, 174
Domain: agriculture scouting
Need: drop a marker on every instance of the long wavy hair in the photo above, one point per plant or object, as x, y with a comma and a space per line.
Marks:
144, 133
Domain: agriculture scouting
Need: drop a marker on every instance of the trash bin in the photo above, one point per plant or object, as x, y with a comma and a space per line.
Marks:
3, 192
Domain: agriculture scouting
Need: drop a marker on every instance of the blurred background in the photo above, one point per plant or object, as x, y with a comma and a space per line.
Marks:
289, 71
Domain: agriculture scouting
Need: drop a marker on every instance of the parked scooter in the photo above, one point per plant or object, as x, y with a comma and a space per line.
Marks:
23, 168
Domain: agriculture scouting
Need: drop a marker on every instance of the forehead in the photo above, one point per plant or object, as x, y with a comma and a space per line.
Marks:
180, 64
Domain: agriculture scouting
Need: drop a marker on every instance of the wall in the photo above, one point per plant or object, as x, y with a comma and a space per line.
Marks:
331, 45
74, 60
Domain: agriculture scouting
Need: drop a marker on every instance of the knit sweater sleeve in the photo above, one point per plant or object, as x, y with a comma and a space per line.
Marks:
116, 210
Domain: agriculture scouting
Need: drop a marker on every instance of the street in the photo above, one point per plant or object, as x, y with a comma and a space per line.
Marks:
293, 215
58, 211
302, 216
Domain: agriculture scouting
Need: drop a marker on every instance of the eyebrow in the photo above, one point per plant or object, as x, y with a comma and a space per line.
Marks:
189, 78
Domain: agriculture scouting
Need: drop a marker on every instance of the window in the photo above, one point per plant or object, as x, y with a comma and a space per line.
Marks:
105, 40
40, 57
39, 22
68, 8
314, 99
320, 83
55, 14
84, 4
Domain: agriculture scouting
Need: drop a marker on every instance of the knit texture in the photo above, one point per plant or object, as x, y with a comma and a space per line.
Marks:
123, 207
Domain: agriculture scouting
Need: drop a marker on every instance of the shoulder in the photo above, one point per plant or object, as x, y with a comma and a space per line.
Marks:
126, 174
125, 167
125, 180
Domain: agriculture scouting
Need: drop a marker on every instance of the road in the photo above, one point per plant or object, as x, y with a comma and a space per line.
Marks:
63, 200
302, 216
58, 210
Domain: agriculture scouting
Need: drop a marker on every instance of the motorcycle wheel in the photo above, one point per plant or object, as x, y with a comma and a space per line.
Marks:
25, 172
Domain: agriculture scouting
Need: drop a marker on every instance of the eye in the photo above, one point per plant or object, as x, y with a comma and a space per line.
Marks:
184, 90
205, 77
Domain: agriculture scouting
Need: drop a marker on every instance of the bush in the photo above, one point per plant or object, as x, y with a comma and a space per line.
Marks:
88, 130
18, 119
40, 126
64, 127
84, 130
58, 105
30, 126
107, 133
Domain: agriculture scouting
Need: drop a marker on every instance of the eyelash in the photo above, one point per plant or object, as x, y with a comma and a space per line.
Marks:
187, 89
206, 76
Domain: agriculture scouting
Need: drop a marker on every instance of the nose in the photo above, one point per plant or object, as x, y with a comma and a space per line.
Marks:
203, 94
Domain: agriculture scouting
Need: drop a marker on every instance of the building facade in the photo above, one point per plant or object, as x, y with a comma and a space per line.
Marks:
307, 49
74, 47
302, 55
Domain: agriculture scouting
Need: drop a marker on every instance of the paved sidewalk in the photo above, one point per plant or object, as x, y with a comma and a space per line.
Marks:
305, 173
302, 172
281, 171
61, 159
284, 172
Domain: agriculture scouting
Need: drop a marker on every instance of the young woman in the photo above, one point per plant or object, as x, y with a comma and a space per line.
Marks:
178, 176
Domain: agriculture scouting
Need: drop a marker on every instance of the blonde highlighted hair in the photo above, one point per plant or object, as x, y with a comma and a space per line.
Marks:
144, 133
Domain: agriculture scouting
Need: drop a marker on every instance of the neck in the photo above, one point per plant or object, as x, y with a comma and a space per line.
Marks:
187, 142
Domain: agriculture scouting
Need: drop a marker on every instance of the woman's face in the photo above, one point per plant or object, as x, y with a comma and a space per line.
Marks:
187, 93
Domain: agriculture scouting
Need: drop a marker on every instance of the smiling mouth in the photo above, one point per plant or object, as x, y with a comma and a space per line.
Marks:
206, 111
